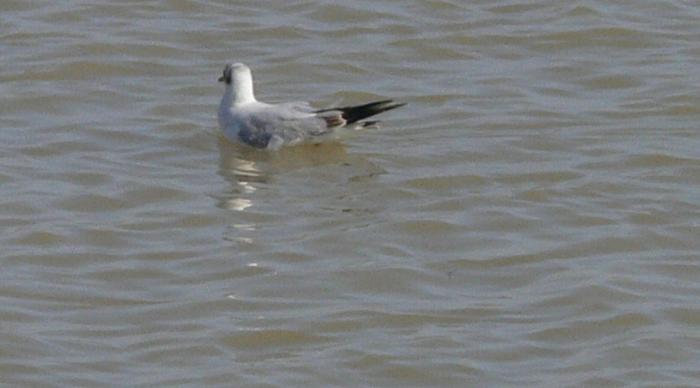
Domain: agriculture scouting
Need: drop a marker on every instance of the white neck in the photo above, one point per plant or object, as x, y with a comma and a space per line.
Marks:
241, 89
225, 116
238, 92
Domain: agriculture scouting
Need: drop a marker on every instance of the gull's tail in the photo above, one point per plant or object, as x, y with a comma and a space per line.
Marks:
352, 114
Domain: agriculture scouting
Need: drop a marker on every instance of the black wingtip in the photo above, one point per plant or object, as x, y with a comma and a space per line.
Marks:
393, 105
352, 114
373, 123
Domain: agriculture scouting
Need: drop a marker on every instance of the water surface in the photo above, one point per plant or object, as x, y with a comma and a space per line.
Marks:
529, 219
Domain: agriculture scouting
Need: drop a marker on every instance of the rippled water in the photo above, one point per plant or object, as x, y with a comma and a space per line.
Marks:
530, 218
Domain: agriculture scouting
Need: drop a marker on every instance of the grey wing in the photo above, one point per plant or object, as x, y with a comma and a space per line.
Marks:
299, 106
286, 125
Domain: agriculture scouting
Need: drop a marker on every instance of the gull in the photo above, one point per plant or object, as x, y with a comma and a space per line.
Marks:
246, 120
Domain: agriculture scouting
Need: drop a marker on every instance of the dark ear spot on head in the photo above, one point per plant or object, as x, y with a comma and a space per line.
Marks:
226, 76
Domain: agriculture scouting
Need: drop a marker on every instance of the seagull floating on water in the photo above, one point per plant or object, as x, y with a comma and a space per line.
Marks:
247, 120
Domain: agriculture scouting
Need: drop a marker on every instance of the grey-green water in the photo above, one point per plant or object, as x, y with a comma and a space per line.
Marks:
531, 218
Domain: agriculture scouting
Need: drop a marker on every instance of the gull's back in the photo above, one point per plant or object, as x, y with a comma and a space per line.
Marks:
272, 126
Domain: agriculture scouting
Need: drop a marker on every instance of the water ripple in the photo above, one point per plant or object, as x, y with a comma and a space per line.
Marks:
530, 218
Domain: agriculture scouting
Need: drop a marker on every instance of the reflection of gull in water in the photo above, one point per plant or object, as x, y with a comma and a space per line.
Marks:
260, 183
243, 164
246, 120
239, 204
248, 171
243, 169
242, 175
